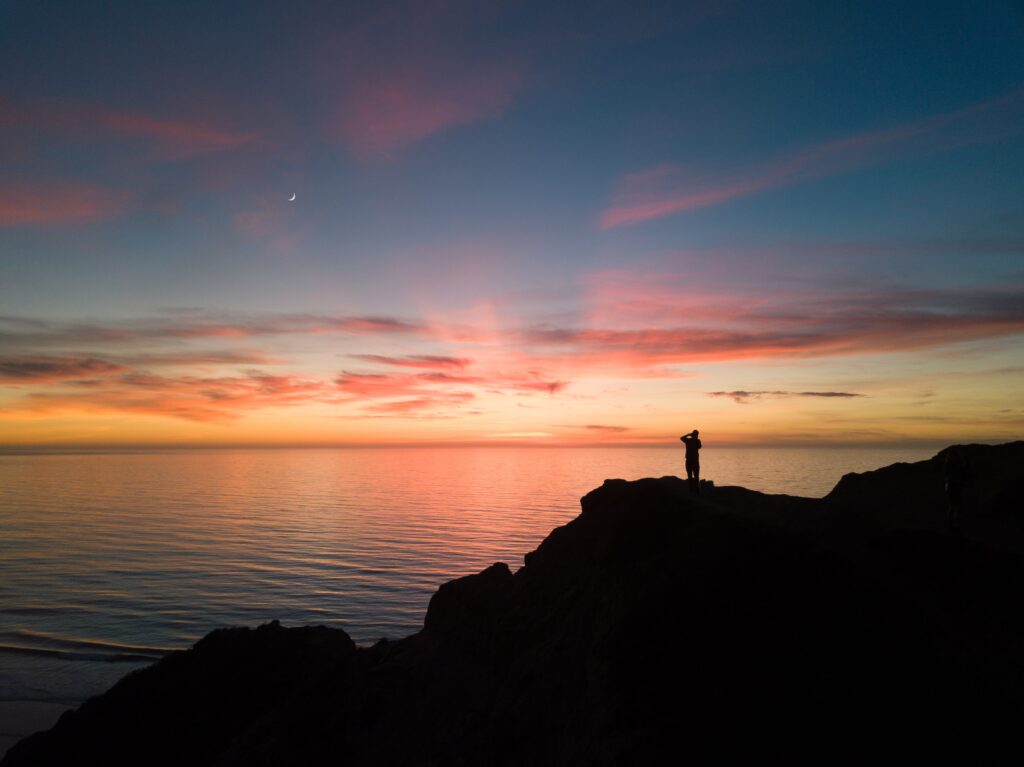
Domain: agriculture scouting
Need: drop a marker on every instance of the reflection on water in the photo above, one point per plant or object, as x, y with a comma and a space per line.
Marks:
116, 557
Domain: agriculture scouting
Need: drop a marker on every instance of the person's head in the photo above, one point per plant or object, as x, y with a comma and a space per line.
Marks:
694, 432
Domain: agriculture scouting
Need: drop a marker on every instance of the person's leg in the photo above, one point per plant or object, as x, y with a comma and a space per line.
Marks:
690, 475
696, 476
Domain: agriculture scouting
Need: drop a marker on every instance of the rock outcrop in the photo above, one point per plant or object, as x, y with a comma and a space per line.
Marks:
730, 627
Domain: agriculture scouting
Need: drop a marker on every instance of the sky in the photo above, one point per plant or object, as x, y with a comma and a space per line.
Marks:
528, 222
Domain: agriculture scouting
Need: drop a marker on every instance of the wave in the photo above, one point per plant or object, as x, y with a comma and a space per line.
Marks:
118, 657
64, 648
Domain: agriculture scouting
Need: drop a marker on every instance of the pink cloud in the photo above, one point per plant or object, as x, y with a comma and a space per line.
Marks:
382, 385
401, 75
431, 361
383, 113
428, 402
787, 325
271, 221
630, 338
174, 136
624, 299
399, 394
370, 385
667, 190
537, 384
37, 204
656, 202
181, 136
261, 221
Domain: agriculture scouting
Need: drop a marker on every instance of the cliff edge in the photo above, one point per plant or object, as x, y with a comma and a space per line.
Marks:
725, 627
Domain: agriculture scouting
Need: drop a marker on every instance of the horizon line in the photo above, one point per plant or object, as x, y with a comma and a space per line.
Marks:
25, 449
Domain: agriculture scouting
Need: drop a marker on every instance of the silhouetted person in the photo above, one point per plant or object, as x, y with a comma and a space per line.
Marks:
692, 442
957, 472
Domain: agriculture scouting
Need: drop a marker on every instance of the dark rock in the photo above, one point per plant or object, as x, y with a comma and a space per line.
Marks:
720, 628
469, 603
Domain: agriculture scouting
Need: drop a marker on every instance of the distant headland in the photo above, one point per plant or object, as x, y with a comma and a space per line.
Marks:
660, 625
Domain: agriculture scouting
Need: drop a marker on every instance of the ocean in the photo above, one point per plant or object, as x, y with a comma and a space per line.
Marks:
109, 559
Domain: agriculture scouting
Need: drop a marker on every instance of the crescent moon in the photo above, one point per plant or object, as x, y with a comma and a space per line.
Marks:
292, 198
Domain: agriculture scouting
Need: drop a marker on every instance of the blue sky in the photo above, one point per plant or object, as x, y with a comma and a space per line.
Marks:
490, 173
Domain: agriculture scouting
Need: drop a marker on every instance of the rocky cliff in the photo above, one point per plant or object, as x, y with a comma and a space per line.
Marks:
722, 628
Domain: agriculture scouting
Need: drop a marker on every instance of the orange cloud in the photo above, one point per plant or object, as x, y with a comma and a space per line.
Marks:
205, 399
93, 385
628, 339
435, 387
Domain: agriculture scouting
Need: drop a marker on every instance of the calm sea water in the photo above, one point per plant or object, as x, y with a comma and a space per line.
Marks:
108, 560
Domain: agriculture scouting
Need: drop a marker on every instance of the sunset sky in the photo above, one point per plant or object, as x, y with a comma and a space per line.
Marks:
533, 222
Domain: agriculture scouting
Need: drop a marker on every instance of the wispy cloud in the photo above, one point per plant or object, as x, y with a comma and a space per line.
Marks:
438, 387
743, 397
31, 332
667, 190
649, 335
431, 361
172, 137
429, 402
372, 385
270, 220
204, 399
43, 204
35, 369
196, 358
167, 364
403, 75
382, 113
